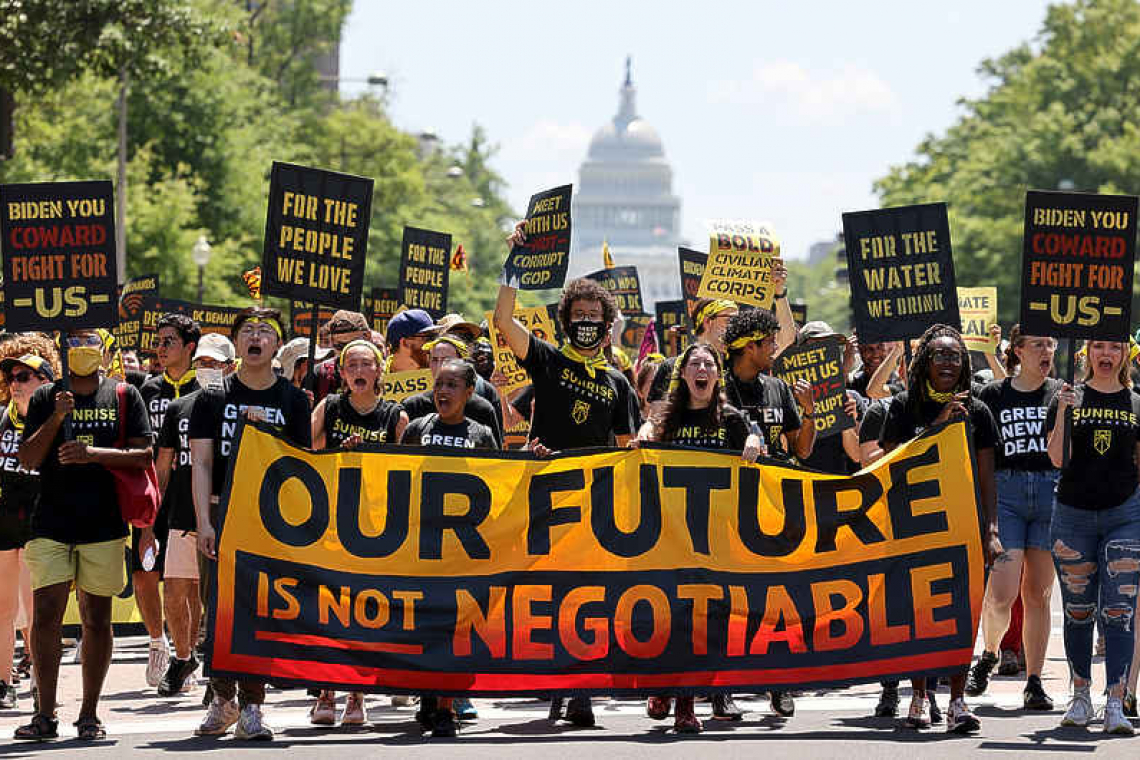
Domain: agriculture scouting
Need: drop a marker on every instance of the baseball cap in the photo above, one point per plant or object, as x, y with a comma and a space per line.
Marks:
815, 329
408, 323
33, 362
215, 346
298, 349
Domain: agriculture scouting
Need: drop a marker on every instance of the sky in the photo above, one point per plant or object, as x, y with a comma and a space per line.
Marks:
785, 112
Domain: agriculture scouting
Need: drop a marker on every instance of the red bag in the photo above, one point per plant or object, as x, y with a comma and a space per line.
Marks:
136, 488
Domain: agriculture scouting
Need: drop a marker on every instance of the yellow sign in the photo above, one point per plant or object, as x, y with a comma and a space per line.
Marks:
978, 309
538, 321
740, 263
399, 385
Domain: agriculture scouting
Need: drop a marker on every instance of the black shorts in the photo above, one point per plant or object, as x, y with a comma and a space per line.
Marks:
161, 529
15, 530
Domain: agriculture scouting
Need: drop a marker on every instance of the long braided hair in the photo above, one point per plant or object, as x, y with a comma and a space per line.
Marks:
677, 401
918, 374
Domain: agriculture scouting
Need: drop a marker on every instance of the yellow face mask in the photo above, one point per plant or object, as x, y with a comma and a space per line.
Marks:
84, 361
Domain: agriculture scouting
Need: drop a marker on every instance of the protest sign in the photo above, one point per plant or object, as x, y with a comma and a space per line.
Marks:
671, 314
131, 296
538, 322
799, 312
301, 318
212, 319
901, 271
424, 270
385, 302
399, 385
58, 242
978, 308
820, 362
541, 261
692, 270
552, 312
739, 266
624, 285
633, 332
1077, 265
316, 236
447, 571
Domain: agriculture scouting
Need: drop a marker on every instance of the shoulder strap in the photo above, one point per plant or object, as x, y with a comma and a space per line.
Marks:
121, 394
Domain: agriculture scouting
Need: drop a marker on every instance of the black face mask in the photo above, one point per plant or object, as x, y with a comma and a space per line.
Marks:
586, 334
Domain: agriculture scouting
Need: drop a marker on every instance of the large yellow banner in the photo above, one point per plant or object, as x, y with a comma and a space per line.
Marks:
611, 571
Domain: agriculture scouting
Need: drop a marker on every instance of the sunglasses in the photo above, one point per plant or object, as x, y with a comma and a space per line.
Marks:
946, 356
20, 377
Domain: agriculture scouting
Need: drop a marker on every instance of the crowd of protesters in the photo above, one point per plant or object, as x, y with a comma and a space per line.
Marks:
1045, 511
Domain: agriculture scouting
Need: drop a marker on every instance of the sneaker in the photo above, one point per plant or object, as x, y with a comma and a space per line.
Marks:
1080, 710
782, 703
1115, 722
916, 715
1034, 696
176, 678
888, 706
444, 725
156, 663
463, 709
7, 696
219, 718
1099, 651
959, 719
402, 700
979, 678
425, 715
658, 708
935, 710
77, 655
323, 711
685, 719
723, 707
250, 725
354, 712
1130, 704
580, 712
1009, 665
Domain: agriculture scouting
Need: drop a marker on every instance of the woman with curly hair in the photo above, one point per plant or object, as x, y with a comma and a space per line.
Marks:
938, 391
26, 363
696, 415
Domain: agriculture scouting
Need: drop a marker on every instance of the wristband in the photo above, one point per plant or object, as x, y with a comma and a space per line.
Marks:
778, 296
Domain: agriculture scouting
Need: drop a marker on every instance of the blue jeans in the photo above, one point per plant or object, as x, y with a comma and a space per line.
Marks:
1097, 554
1025, 508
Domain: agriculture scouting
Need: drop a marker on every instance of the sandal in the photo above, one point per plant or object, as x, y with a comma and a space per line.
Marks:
40, 729
90, 729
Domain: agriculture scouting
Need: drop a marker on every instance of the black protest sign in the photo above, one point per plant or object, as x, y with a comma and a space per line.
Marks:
692, 265
624, 285
58, 241
131, 296
552, 312
633, 332
316, 236
669, 314
301, 318
212, 319
901, 270
425, 263
385, 302
1077, 265
541, 261
799, 312
820, 362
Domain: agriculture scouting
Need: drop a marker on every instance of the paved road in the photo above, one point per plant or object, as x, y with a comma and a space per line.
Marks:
833, 724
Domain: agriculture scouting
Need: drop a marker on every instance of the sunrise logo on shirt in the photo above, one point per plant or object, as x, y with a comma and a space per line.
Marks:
580, 411
1102, 441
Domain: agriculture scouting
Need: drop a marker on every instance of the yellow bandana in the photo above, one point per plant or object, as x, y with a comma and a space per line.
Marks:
937, 397
460, 346
15, 418
711, 310
266, 321
186, 378
591, 363
744, 340
361, 343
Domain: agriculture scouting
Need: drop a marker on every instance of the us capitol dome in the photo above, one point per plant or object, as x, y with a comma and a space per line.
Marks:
625, 196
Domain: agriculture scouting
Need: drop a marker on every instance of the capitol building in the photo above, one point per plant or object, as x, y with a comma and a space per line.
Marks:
624, 196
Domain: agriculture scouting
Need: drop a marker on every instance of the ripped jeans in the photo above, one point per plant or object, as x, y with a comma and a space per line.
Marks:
1097, 554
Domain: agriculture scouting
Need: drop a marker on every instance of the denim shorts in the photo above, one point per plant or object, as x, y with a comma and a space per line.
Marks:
1025, 507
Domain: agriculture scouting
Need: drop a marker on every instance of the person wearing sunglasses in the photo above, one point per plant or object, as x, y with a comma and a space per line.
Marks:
23, 372
78, 533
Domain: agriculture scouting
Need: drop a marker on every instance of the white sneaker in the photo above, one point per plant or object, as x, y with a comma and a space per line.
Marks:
354, 713
323, 712
1115, 722
916, 715
959, 719
221, 715
157, 662
402, 700
1080, 710
77, 655
251, 726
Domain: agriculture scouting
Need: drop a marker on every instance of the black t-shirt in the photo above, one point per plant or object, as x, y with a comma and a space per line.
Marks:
488, 391
158, 392
1102, 461
767, 401
78, 503
477, 408
1020, 418
571, 409
693, 433
219, 409
178, 500
342, 421
828, 455
871, 426
18, 487
524, 402
901, 425
659, 388
136, 377
430, 430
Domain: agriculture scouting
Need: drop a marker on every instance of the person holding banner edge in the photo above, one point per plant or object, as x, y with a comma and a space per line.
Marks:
1095, 532
579, 400
938, 391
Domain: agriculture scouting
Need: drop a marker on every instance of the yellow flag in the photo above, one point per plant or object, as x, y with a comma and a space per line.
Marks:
607, 259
